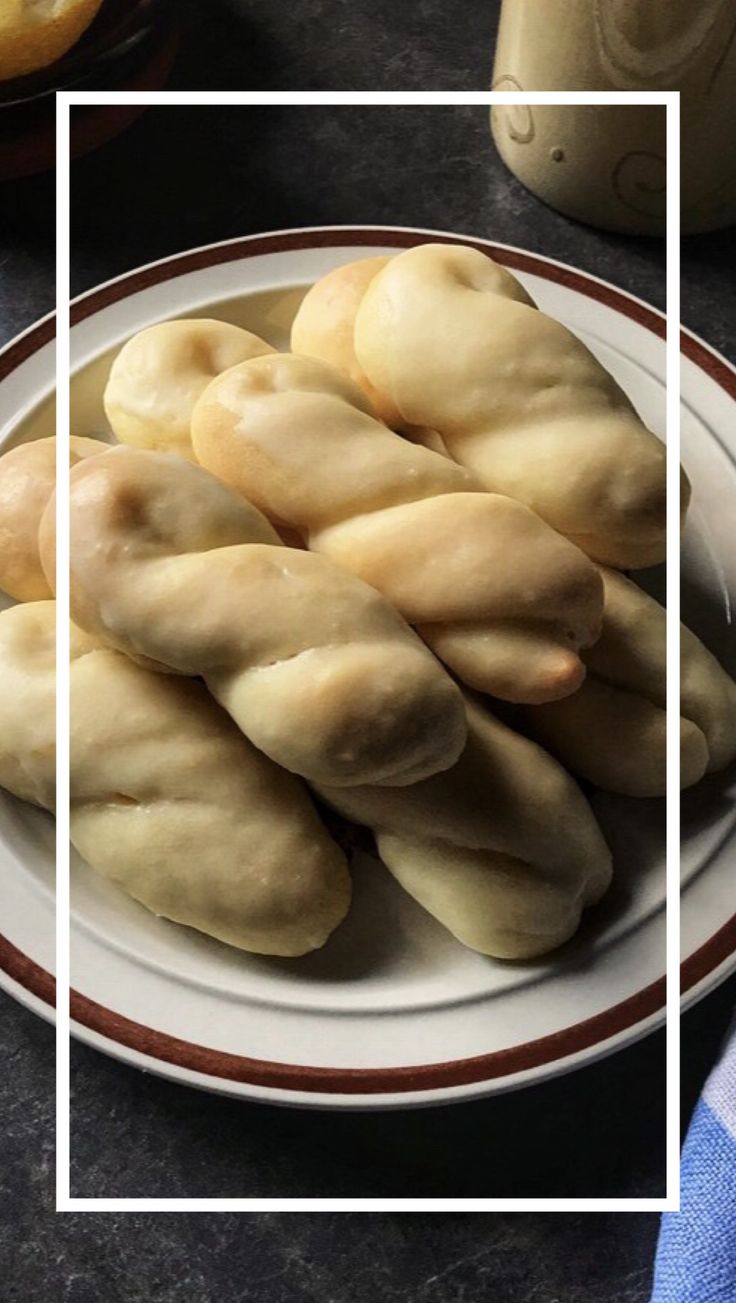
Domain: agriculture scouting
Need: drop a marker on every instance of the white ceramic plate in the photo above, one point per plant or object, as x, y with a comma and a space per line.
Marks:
393, 1011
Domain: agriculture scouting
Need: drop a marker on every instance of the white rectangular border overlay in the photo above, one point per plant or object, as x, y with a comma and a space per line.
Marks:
64, 1201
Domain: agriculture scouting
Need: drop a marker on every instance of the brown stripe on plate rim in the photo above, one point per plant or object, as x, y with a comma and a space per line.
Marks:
334, 237
356, 1081
27, 973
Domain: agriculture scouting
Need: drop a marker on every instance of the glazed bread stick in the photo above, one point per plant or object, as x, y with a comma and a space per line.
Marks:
171, 566
169, 800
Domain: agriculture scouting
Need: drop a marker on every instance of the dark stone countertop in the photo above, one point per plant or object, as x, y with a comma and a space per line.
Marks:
185, 177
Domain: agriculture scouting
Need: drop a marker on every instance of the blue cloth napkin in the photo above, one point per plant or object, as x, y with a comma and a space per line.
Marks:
696, 1255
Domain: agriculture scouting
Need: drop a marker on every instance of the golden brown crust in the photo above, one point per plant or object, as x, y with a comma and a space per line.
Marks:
27, 479
481, 575
159, 374
450, 342
613, 731
169, 564
502, 848
169, 800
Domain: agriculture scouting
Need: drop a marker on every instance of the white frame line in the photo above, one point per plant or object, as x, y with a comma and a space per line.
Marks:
673, 652
670, 100
63, 1153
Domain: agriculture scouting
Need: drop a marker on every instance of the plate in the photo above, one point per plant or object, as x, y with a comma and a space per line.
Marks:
392, 1012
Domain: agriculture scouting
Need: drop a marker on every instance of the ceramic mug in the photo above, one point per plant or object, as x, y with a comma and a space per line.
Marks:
606, 165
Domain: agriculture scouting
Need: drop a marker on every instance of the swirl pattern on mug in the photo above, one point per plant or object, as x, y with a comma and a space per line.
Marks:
517, 119
639, 181
644, 44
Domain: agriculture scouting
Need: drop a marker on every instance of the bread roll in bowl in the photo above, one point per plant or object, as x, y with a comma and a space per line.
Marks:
613, 730
502, 849
27, 480
450, 343
324, 327
169, 800
505, 601
170, 565
35, 33
159, 374
28, 702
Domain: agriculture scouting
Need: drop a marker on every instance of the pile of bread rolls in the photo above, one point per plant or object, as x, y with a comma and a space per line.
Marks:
320, 573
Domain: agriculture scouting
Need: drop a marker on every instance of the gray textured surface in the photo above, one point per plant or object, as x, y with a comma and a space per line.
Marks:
219, 174
340, 45
225, 172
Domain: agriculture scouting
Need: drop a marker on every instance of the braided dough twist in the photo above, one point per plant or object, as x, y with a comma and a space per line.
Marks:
449, 340
159, 374
169, 800
27, 480
613, 731
170, 565
502, 849
503, 600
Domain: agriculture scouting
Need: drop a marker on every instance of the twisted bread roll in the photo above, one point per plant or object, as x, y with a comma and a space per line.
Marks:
28, 702
502, 849
324, 327
170, 565
501, 598
451, 341
613, 731
159, 374
27, 479
169, 800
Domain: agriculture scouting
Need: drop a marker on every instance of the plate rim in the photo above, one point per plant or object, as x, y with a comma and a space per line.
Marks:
618, 1025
